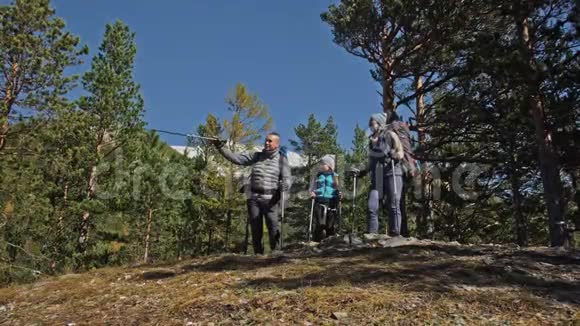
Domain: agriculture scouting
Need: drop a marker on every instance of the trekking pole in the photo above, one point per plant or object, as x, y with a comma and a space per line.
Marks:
247, 236
310, 223
184, 135
353, 211
394, 189
282, 224
339, 210
394, 181
204, 138
339, 216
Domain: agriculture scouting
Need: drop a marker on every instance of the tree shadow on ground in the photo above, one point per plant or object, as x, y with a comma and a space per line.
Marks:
404, 253
395, 253
237, 263
420, 268
571, 258
419, 271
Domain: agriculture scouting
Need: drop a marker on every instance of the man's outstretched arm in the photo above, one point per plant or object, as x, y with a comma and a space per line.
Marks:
238, 158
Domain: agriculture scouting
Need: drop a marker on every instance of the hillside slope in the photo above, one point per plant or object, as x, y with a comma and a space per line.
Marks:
391, 281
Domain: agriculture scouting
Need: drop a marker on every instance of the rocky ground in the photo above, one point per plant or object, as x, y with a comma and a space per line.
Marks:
377, 281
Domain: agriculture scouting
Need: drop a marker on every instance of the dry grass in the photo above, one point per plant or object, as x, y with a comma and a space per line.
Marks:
434, 285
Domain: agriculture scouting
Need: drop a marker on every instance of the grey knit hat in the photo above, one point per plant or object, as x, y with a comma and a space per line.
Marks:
380, 118
328, 160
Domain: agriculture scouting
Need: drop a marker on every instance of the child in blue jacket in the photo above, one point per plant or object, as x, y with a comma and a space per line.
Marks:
326, 194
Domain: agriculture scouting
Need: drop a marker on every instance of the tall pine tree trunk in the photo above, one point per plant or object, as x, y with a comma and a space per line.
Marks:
228, 226
199, 246
425, 223
209, 238
388, 93
576, 186
58, 244
517, 201
60, 223
148, 234
84, 226
388, 80
3, 126
388, 84
91, 190
247, 233
229, 193
9, 99
547, 154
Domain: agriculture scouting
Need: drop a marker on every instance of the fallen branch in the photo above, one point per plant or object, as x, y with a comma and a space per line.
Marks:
34, 271
26, 252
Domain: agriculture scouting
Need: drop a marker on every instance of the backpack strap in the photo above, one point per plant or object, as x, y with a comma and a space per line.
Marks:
397, 151
335, 181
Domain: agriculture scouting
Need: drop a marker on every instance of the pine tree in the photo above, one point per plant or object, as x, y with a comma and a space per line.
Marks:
65, 158
329, 143
359, 150
547, 152
113, 107
310, 137
250, 119
35, 50
149, 196
400, 39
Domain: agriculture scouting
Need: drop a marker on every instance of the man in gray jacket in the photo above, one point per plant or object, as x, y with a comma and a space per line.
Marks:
270, 175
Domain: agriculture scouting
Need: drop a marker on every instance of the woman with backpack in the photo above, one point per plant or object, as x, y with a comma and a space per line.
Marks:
386, 171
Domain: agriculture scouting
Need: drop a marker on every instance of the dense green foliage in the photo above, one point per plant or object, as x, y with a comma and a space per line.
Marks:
490, 84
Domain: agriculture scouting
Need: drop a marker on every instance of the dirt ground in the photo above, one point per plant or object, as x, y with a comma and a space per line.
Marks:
404, 282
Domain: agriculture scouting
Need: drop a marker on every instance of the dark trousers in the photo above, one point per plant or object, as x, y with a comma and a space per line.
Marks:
258, 209
326, 213
392, 203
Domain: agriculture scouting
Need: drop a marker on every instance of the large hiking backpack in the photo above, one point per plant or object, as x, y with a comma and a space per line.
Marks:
401, 129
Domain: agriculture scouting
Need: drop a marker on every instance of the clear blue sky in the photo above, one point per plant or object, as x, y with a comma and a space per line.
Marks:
191, 53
